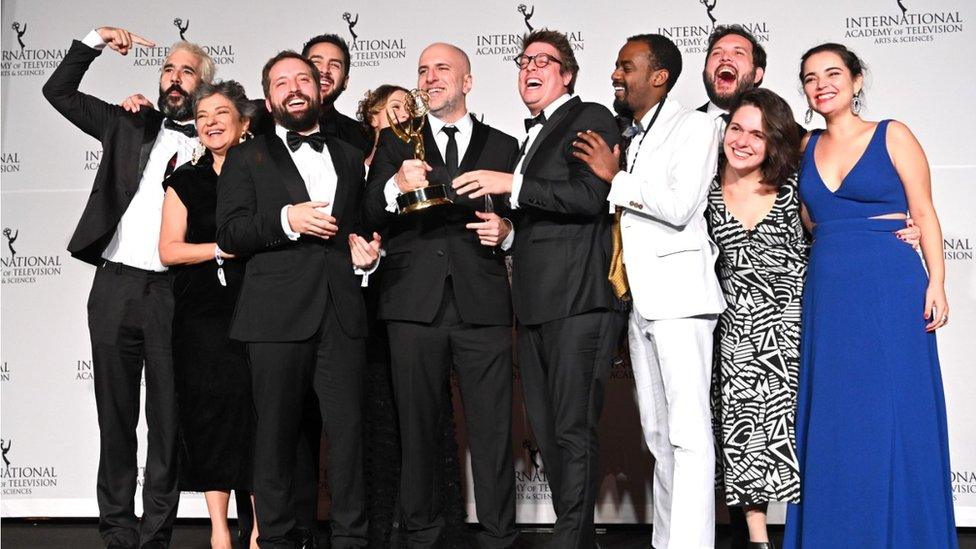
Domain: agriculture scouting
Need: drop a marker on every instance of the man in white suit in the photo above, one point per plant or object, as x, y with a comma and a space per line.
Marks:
669, 262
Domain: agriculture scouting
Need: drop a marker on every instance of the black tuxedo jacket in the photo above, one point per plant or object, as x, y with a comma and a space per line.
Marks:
288, 284
127, 139
332, 123
561, 255
424, 247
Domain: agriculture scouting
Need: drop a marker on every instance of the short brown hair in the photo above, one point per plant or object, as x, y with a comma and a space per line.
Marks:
286, 54
560, 41
782, 134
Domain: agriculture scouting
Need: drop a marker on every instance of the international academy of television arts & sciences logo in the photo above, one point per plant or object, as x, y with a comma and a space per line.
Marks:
531, 480
221, 53
366, 50
959, 248
692, 36
25, 58
506, 45
963, 485
18, 479
24, 268
902, 23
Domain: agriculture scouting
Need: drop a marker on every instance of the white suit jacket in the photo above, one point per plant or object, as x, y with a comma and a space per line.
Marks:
669, 257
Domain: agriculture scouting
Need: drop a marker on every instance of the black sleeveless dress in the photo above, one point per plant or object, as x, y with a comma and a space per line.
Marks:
213, 383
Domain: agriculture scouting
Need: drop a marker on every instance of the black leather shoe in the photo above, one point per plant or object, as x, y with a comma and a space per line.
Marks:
761, 545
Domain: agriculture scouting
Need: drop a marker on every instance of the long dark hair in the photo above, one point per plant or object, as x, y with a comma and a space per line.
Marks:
782, 135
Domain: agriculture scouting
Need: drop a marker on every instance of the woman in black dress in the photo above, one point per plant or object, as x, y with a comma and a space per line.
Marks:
212, 380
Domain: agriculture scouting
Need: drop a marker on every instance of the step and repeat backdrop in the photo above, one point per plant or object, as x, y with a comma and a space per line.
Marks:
917, 53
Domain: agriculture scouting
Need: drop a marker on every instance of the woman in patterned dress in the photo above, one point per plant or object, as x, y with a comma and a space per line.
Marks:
754, 217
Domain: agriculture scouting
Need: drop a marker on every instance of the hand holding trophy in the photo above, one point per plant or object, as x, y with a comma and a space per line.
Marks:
411, 131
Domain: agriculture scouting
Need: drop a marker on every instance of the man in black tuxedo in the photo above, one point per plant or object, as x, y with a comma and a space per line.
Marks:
130, 309
735, 62
445, 298
291, 200
568, 317
330, 55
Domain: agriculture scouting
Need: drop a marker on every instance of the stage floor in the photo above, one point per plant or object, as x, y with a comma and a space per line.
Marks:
21, 534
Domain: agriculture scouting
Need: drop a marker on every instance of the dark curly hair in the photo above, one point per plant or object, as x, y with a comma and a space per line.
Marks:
782, 134
373, 102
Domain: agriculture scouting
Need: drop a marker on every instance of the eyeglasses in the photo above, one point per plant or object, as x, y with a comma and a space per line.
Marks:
540, 60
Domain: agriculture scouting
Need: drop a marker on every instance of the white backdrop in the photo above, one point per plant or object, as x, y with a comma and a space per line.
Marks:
917, 59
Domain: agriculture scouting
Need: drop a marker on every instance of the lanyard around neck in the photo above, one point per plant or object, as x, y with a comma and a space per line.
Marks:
646, 131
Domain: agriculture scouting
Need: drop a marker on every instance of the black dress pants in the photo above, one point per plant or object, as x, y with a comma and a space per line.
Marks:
565, 365
422, 356
130, 321
332, 364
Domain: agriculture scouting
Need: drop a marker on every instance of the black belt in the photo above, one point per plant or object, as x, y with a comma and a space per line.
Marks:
123, 268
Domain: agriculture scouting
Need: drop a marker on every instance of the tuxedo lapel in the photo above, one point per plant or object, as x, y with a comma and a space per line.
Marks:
479, 136
433, 154
152, 125
659, 132
343, 178
290, 178
547, 129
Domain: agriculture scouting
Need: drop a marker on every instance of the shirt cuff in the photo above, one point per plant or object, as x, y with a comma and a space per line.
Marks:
391, 192
516, 188
94, 40
510, 239
292, 235
366, 272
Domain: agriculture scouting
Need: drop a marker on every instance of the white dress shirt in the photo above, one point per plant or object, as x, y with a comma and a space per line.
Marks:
317, 172
464, 126
716, 113
527, 144
136, 239
320, 178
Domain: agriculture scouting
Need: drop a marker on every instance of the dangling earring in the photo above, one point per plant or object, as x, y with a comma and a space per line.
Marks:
856, 104
809, 116
246, 135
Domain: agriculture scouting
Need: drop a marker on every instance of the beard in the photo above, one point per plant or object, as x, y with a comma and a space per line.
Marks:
725, 102
181, 110
329, 99
297, 122
622, 109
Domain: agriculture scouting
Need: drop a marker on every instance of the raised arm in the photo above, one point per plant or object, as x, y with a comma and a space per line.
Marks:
90, 114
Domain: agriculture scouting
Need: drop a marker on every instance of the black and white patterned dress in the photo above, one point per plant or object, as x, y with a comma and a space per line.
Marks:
754, 377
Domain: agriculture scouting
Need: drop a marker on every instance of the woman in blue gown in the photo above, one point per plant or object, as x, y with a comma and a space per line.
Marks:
871, 422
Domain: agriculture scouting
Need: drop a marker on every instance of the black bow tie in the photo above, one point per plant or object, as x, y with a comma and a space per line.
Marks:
188, 130
540, 119
726, 117
315, 140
